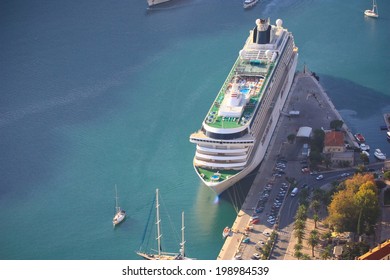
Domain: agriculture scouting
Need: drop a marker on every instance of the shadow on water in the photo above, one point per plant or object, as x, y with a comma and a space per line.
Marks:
345, 94
237, 193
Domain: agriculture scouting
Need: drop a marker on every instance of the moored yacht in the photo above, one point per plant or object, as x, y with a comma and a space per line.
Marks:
379, 155
360, 138
373, 12
226, 232
249, 3
364, 147
120, 214
237, 129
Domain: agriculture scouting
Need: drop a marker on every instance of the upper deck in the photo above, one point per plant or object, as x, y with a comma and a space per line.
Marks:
243, 89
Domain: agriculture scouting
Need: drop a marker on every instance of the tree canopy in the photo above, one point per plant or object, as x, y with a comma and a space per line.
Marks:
355, 207
336, 124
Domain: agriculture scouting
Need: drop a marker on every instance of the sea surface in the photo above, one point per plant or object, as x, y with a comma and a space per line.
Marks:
98, 93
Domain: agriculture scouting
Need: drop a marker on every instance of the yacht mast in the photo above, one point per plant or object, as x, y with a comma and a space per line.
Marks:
182, 252
158, 224
117, 208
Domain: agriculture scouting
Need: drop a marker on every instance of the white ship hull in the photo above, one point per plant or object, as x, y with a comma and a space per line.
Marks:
220, 187
238, 128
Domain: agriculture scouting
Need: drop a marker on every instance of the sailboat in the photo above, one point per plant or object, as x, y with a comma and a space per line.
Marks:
120, 214
159, 254
373, 12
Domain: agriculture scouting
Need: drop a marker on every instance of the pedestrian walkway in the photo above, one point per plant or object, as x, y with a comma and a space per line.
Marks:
314, 112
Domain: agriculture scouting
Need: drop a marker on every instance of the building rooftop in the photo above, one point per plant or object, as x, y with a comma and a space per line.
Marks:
334, 138
380, 252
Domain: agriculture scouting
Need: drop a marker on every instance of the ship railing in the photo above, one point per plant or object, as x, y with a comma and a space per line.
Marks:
222, 91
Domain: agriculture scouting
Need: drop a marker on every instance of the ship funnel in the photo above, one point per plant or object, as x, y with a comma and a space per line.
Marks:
262, 32
279, 23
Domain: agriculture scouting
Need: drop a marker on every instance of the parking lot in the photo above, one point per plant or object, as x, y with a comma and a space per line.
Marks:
269, 204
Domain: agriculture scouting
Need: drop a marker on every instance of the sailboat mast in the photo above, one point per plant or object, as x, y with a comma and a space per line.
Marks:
182, 235
116, 200
158, 224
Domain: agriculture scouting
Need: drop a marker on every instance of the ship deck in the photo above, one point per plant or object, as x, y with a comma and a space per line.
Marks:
220, 175
252, 74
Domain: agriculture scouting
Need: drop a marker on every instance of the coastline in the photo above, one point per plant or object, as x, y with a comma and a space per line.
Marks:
233, 246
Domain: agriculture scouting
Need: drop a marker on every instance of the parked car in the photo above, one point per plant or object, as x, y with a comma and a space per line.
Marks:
305, 170
320, 177
246, 240
256, 256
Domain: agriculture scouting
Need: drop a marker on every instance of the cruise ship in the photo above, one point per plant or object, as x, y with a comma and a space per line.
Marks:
238, 127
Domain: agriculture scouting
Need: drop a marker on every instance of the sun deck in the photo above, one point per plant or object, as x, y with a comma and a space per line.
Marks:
216, 175
249, 76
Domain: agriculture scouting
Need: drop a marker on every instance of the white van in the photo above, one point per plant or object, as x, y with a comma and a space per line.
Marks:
294, 192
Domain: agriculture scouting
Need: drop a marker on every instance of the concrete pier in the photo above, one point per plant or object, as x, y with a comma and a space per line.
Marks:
317, 111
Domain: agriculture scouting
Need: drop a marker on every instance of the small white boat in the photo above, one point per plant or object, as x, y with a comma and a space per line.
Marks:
373, 12
226, 232
379, 155
364, 147
249, 3
388, 135
120, 214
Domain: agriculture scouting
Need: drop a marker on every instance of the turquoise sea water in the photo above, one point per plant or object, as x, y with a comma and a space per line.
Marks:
98, 93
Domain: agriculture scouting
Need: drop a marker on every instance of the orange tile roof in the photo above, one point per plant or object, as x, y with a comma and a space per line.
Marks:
334, 138
377, 253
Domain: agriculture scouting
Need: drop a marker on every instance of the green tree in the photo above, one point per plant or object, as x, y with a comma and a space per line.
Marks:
299, 224
313, 240
315, 205
336, 124
366, 200
291, 138
301, 213
318, 139
316, 219
364, 158
319, 195
299, 234
303, 196
298, 254
327, 161
386, 175
360, 169
327, 252
353, 250
315, 157
305, 257
327, 236
298, 247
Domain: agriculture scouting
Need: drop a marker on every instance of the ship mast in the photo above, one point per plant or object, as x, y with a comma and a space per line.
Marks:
117, 208
182, 252
158, 224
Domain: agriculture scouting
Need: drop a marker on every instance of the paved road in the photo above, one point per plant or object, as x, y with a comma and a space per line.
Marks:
316, 111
